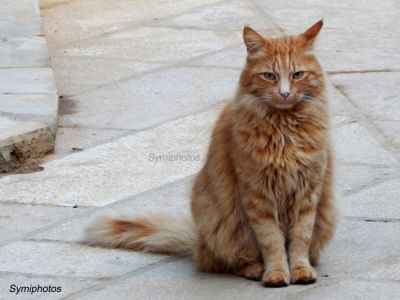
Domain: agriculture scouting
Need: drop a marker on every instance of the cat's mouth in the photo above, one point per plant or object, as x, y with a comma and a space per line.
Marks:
278, 102
281, 103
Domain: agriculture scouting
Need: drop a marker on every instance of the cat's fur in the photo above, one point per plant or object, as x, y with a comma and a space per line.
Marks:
263, 204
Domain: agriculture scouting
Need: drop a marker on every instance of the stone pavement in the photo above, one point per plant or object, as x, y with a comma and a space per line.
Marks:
28, 99
144, 78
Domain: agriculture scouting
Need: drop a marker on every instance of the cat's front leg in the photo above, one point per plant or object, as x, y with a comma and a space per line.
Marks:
300, 235
271, 240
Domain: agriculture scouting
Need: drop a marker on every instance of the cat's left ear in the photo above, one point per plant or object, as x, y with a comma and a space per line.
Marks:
311, 33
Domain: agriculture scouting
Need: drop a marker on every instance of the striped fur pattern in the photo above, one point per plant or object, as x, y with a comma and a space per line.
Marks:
262, 205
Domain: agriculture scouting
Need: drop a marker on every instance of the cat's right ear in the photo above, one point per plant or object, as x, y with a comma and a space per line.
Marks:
254, 42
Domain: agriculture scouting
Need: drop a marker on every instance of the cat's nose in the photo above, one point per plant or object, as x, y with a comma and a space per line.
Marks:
284, 95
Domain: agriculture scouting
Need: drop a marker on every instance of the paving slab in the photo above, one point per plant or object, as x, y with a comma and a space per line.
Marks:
386, 269
13, 131
71, 260
28, 218
337, 44
153, 44
353, 143
26, 81
20, 140
357, 246
230, 15
377, 103
378, 201
147, 159
230, 57
29, 104
179, 280
370, 33
339, 106
351, 289
390, 129
352, 178
20, 19
24, 52
67, 285
74, 139
94, 18
28, 98
172, 199
141, 104
72, 79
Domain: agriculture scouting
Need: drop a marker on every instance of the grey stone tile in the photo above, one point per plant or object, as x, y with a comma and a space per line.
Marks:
386, 269
351, 289
67, 285
24, 52
172, 199
352, 178
233, 57
94, 18
378, 201
337, 52
29, 109
17, 219
70, 231
13, 131
179, 280
390, 130
232, 15
339, 106
376, 94
58, 259
113, 171
153, 98
19, 19
340, 40
72, 79
75, 139
154, 44
26, 80
24, 70
34, 104
358, 245
362, 5
353, 143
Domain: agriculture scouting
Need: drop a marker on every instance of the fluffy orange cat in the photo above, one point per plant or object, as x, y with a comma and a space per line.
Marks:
262, 205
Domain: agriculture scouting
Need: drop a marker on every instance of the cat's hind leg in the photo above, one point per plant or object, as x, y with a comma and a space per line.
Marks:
229, 247
325, 220
251, 271
207, 261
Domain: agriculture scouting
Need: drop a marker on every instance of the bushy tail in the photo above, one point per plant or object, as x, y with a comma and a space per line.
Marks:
152, 233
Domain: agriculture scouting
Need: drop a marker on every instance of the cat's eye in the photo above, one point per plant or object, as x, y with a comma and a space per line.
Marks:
269, 75
298, 75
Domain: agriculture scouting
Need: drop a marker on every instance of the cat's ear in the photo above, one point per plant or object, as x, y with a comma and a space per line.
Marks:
311, 33
254, 42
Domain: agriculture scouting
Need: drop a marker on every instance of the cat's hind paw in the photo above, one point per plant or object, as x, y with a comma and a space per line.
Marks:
251, 271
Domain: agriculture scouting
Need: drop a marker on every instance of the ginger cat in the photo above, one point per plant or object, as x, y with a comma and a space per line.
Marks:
262, 205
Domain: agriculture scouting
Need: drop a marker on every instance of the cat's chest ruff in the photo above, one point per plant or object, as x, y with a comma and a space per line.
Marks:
280, 146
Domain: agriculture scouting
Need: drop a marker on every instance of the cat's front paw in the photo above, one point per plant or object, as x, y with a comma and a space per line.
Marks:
275, 279
303, 275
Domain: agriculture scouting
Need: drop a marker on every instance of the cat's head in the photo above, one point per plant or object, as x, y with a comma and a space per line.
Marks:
282, 72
